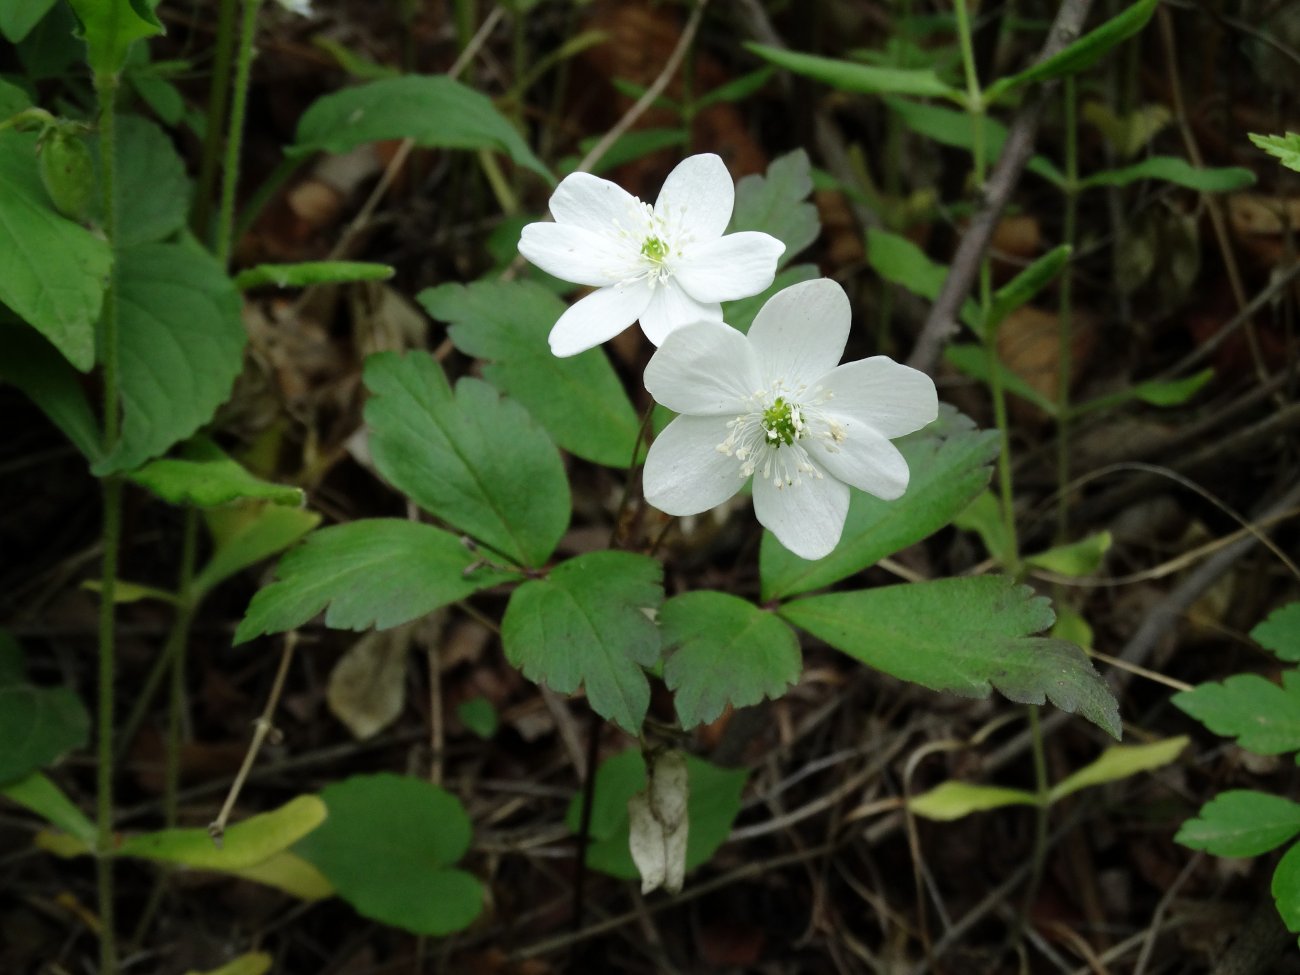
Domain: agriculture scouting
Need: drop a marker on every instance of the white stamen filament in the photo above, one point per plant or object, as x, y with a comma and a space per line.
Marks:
771, 438
649, 252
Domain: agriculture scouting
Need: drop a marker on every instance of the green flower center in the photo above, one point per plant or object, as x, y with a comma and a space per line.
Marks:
782, 421
655, 249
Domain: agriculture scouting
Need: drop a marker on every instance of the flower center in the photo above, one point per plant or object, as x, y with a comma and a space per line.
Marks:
772, 437
783, 422
655, 249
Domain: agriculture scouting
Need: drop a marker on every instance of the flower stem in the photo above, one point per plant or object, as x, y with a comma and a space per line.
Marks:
218, 94
106, 89
235, 136
1065, 313
975, 109
1041, 813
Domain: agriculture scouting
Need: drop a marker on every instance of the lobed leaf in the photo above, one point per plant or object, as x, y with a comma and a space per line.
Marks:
1280, 633
724, 651
949, 464
387, 846
962, 635
1285, 147
777, 204
579, 400
475, 460
378, 572
586, 623
1241, 823
1263, 717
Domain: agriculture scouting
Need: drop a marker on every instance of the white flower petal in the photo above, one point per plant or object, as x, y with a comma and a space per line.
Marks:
671, 308
684, 471
800, 333
890, 398
730, 267
704, 369
808, 517
598, 318
697, 197
595, 204
866, 460
570, 253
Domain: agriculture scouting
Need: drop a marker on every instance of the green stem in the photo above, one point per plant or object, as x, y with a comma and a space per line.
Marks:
235, 138
218, 95
975, 109
174, 651
106, 90
1065, 316
1041, 813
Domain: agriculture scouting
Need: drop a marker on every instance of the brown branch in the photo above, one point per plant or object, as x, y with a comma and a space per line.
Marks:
941, 324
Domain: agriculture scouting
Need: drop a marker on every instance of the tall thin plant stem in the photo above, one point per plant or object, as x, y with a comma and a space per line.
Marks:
106, 89
218, 98
1065, 315
235, 135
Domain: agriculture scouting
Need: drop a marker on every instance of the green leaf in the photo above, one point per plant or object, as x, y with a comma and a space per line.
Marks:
955, 800
17, 19
246, 843
1131, 133
1120, 762
862, 79
1285, 147
1286, 888
1263, 717
37, 724
1173, 392
740, 314
961, 635
311, 273
245, 534
580, 400
1025, 285
737, 89
949, 127
151, 186
180, 343
12, 98
479, 716
388, 846
724, 650
1081, 55
973, 360
712, 804
586, 623
205, 476
379, 572
475, 460
43, 797
55, 270
984, 517
110, 27
901, 262
1174, 169
949, 465
434, 110
1241, 823
1074, 559
1281, 632
31, 363
777, 204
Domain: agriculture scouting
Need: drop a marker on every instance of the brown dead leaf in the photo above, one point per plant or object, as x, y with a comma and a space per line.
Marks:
1261, 225
1029, 345
367, 688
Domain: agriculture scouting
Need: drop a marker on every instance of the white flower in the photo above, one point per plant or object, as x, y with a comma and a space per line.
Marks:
774, 404
300, 7
666, 264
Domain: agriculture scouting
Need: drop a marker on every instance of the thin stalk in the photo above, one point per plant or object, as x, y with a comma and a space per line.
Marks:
1065, 315
1041, 813
235, 136
106, 90
217, 97
975, 109
174, 651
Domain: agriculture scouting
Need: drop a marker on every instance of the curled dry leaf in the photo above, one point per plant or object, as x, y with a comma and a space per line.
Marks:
658, 824
367, 688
